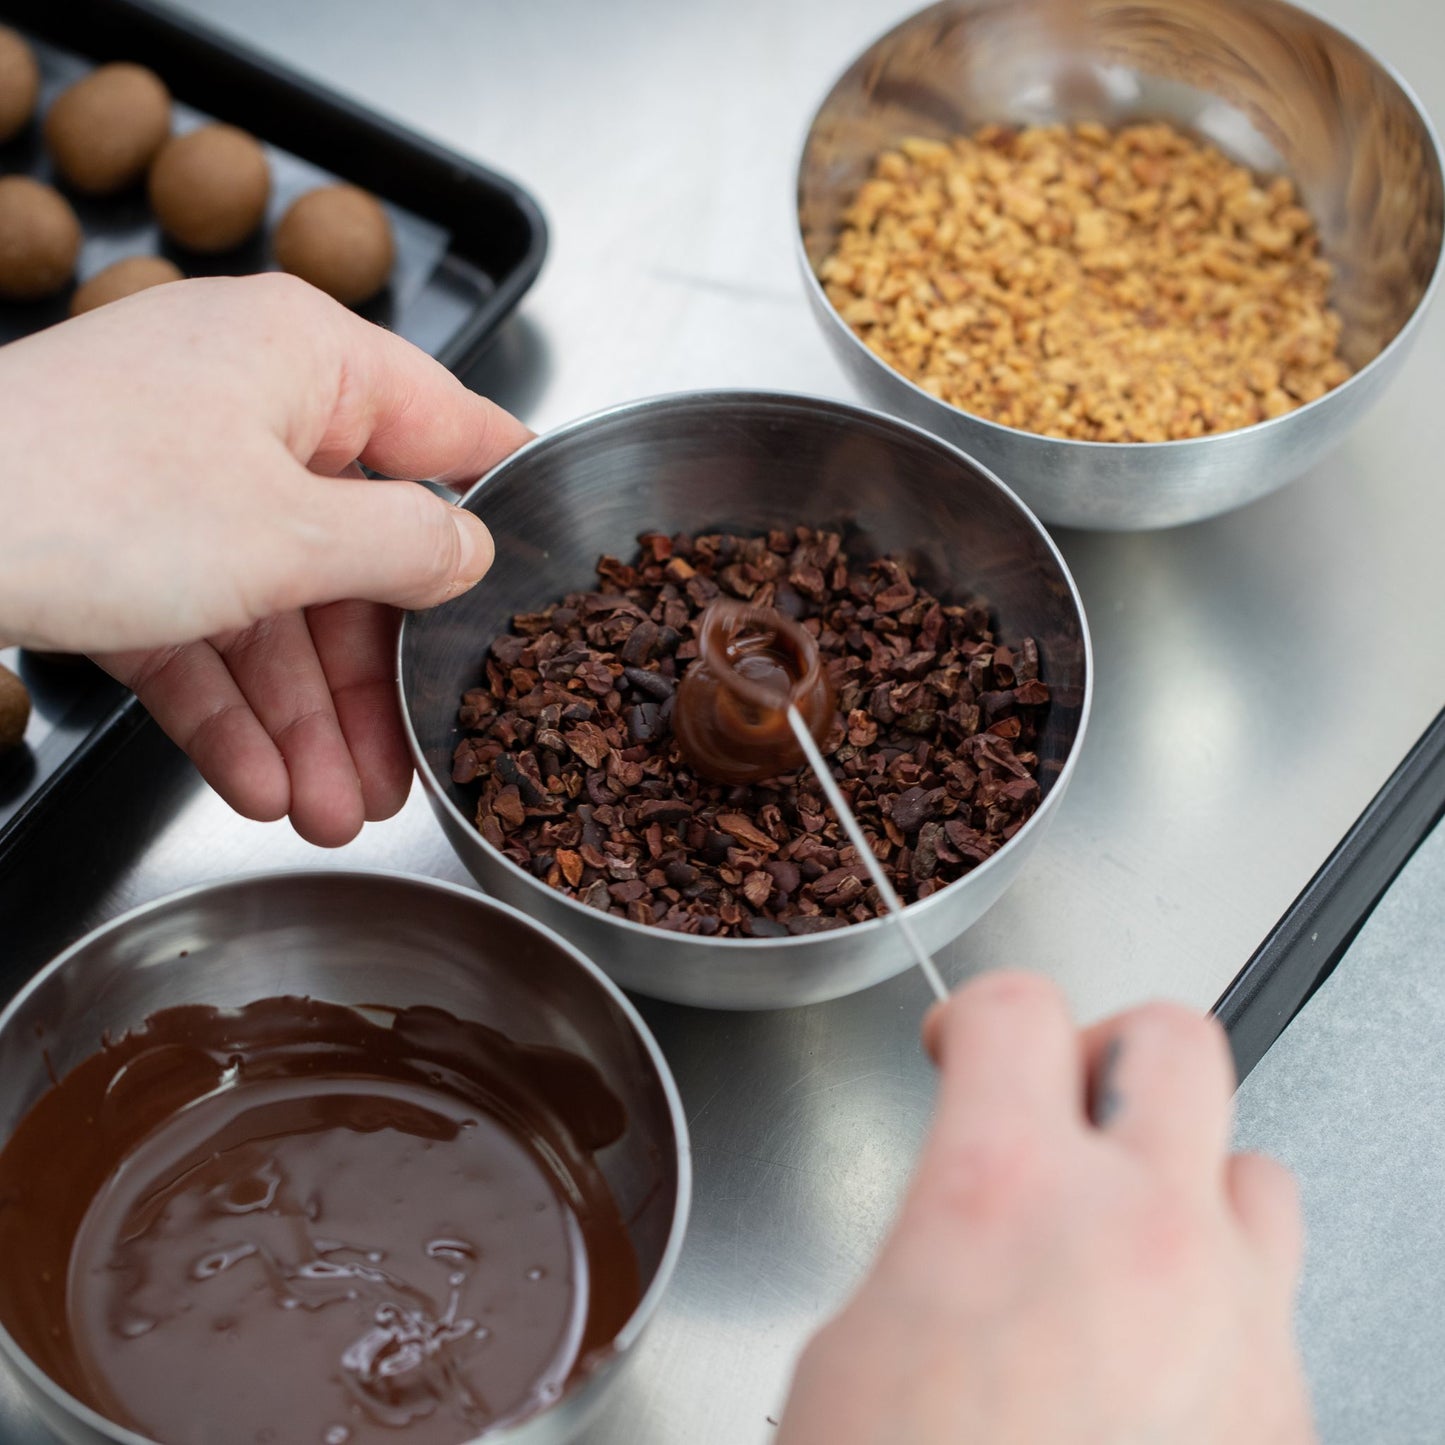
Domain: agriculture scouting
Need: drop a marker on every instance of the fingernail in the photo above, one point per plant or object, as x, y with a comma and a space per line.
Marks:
477, 550
932, 1023
1105, 1100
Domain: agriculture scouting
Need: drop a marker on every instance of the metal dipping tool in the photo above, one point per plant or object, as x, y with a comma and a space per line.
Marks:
866, 856
755, 668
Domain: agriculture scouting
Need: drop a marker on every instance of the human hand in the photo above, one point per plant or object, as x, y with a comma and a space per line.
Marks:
182, 499
1052, 1280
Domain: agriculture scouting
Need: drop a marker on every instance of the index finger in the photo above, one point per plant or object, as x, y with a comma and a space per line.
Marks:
1008, 1053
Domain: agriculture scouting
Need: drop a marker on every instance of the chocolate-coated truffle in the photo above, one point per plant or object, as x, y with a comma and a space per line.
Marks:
337, 238
123, 278
19, 83
39, 239
14, 710
209, 188
105, 130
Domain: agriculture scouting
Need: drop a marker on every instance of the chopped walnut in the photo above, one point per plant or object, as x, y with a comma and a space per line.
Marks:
1130, 285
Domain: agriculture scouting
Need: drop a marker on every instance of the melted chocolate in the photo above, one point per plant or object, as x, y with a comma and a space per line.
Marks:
731, 714
289, 1223
768, 668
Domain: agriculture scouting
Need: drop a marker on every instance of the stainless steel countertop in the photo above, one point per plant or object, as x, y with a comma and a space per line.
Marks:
1258, 676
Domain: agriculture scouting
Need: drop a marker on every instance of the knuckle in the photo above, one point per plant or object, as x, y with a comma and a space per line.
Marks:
431, 518
1167, 1236
304, 720
257, 638
1274, 1185
1164, 1017
1273, 1177
280, 291
1011, 990
826, 1342
1181, 1030
153, 666
422, 533
819, 1361
991, 1177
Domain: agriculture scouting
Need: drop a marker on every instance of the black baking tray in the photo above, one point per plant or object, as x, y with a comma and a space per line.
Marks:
79, 716
1303, 948
495, 236
470, 243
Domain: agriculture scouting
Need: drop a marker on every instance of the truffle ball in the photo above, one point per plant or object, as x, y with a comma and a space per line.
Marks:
19, 83
337, 238
123, 278
105, 130
209, 188
39, 239
14, 710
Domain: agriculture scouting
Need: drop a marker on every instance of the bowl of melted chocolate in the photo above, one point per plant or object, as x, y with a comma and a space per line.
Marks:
333, 1158
599, 725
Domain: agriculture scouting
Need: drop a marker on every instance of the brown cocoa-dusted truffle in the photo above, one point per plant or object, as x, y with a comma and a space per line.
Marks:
39, 239
19, 83
209, 187
14, 710
105, 130
339, 239
123, 278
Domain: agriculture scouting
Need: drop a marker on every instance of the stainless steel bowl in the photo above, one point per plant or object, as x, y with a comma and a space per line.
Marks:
363, 938
748, 462
1271, 85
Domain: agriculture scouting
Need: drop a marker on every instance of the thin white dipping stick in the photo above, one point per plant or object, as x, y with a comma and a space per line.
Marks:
866, 856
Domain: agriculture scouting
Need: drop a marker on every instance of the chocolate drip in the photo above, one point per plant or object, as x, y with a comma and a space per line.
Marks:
731, 716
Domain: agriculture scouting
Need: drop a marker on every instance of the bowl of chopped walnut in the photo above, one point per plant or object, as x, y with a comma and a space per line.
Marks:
1147, 262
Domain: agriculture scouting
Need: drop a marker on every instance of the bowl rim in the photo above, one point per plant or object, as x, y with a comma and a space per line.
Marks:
840, 409
1397, 342
513, 1434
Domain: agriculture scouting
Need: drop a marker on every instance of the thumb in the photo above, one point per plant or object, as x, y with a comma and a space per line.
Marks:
391, 542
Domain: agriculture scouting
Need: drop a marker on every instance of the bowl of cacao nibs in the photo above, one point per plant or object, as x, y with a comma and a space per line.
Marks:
1148, 262
540, 704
